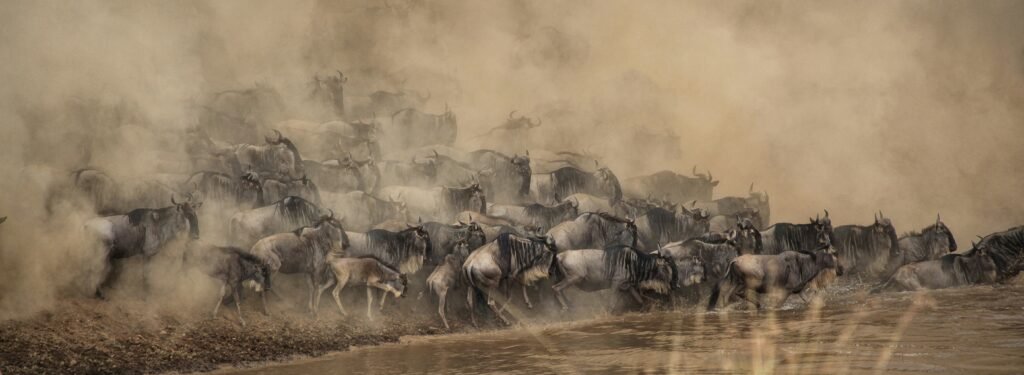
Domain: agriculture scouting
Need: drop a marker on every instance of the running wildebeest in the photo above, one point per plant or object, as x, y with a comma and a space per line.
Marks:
411, 128
778, 275
344, 175
930, 243
278, 158
105, 196
722, 223
795, 237
673, 186
511, 181
755, 203
247, 227
745, 235
444, 237
977, 266
403, 251
590, 203
367, 271
232, 267
440, 203
620, 268
364, 211
446, 277
536, 213
715, 257
658, 226
303, 251
594, 230
334, 139
246, 191
238, 113
277, 189
507, 259
867, 250
418, 172
563, 182
143, 231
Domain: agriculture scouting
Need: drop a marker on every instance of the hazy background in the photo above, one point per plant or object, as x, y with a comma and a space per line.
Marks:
912, 107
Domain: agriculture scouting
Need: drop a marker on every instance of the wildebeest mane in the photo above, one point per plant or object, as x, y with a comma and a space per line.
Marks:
297, 211
638, 266
394, 248
1006, 249
858, 244
547, 216
458, 199
516, 254
663, 222
571, 180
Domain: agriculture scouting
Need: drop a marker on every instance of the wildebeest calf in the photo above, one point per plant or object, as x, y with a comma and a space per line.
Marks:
365, 271
233, 267
446, 276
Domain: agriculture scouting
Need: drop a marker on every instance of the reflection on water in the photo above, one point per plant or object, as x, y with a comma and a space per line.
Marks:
971, 330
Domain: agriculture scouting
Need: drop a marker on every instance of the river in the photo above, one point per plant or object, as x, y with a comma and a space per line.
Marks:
971, 330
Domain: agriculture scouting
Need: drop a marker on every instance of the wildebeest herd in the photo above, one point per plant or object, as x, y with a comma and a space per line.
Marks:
380, 197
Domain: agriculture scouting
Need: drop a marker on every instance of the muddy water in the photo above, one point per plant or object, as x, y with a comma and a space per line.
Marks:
971, 330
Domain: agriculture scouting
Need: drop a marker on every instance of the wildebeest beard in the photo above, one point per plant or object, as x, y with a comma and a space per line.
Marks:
297, 211
1006, 249
398, 250
517, 254
637, 266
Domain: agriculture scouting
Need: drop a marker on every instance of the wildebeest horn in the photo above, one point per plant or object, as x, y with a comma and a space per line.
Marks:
751, 191
938, 218
595, 164
694, 171
709, 175
172, 200
511, 113
460, 222
3, 219
342, 77
470, 218
693, 203
826, 214
332, 213
527, 152
419, 220
435, 154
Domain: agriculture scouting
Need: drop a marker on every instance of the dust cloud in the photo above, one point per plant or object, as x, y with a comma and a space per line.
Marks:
910, 107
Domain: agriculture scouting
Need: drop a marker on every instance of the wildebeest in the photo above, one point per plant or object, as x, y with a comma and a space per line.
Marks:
590, 203
672, 186
866, 250
246, 227
363, 211
756, 203
245, 191
232, 267
142, 231
483, 219
721, 223
367, 271
403, 251
106, 196
302, 251
389, 102
507, 259
567, 181
334, 139
418, 172
275, 189
620, 268
440, 203
330, 92
930, 243
446, 277
511, 180
278, 158
512, 124
977, 266
444, 237
536, 213
594, 230
778, 275
745, 236
411, 128
658, 226
1006, 249
236, 114
715, 257
795, 237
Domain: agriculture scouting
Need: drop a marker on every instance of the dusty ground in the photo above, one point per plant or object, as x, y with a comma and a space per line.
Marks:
90, 336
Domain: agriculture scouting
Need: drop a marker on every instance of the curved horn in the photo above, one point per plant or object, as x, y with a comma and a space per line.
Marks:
341, 76
826, 214
172, 200
332, 213
938, 218
709, 175
751, 191
435, 154
511, 113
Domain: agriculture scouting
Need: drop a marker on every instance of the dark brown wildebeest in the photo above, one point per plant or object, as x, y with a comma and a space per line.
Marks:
143, 231
659, 225
930, 243
566, 181
673, 186
536, 213
233, 267
367, 271
594, 230
778, 275
795, 237
867, 250
620, 268
507, 259
411, 128
303, 251
951, 270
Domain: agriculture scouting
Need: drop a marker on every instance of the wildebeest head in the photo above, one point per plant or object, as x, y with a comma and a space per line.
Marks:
824, 225
333, 231
473, 235
977, 265
521, 122
256, 275
460, 251
942, 235
706, 176
883, 228
331, 87
478, 199
699, 217
426, 167
828, 258
187, 216
747, 236
691, 271
759, 196
608, 183
289, 160
521, 167
420, 239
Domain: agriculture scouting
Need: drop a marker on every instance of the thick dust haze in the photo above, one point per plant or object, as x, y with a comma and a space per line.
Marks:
911, 107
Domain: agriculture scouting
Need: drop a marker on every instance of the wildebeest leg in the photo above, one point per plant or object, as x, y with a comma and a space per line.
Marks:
263, 298
336, 293
442, 297
220, 299
494, 306
637, 297
469, 301
238, 304
145, 275
312, 293
526, 297
109, 270
369, 302
560, 287
323, 288
383, 298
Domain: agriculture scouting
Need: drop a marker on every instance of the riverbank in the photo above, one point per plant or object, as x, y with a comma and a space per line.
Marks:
90, 336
